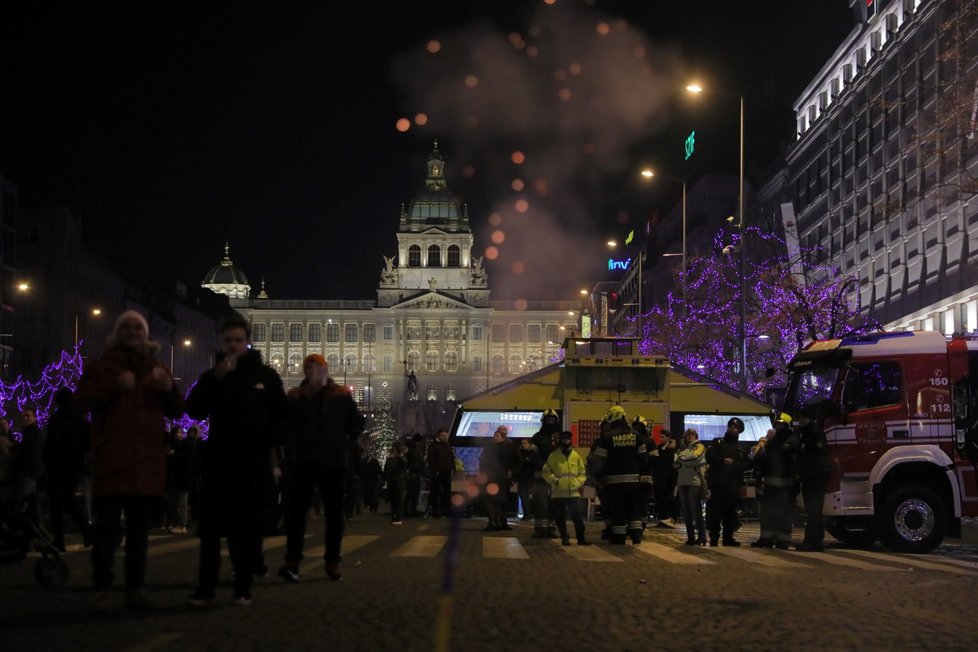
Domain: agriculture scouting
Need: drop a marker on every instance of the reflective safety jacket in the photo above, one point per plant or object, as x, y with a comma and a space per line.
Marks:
620, 456
565, 474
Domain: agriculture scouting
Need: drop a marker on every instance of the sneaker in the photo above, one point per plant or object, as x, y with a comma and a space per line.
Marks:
289, 574
200, 599
667, 523
731, 543
138, 599
241, 600
333, 571
397, 522
565, 541
782, 545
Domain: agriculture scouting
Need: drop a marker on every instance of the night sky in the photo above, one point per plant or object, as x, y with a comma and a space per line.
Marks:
170, 130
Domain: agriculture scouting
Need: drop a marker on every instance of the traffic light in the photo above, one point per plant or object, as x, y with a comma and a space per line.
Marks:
614, 300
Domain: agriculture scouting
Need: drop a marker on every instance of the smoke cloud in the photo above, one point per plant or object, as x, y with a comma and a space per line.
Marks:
541, 121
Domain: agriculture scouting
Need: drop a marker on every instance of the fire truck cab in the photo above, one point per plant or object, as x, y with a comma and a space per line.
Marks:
900, 414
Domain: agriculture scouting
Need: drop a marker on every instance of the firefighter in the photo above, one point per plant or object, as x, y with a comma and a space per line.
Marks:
544, 441
726, 464
775, 471
813, 468
620, 458
641, 426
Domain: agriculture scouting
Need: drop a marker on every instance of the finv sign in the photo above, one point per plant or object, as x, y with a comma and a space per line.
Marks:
618, 264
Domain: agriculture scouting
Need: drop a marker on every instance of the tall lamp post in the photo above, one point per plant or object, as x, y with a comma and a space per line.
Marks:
742, 330
648, 173
95, 312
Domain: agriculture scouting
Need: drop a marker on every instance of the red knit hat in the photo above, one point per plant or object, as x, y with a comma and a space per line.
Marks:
317, 358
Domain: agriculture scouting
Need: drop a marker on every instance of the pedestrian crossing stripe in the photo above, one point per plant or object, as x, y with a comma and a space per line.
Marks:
762, 558
669, 554
910, 560
503, 548
588, 553
963, 563
351, 542
421, 546
839, 560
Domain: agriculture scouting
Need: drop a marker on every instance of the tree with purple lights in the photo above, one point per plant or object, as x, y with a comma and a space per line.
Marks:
785, 310
39, 394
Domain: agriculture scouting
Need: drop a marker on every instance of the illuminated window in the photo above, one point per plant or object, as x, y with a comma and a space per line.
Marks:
370, 332
498, 333
351, 333
515, 333
451, 361
498, 365
454, 256
333, 361
332, 332
515, 364
414, 256
278, 332
431, 361
552, 333
315, 332
295, 332
477, 363
434, 256
413, 361
295, 363
258, 332
369, 363
533, 333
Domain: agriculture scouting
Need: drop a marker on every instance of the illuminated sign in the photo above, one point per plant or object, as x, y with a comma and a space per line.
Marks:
690, 144
631, 236
585, 326
618, 264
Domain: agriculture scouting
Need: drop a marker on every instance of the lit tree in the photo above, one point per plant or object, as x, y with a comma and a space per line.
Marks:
785, 310
384, 432
39, 394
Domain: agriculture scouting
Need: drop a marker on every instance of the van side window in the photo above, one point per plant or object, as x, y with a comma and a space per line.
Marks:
872, 385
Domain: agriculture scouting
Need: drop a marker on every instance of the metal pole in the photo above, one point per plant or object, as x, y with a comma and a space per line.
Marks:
76, 330
685, 300
743, 260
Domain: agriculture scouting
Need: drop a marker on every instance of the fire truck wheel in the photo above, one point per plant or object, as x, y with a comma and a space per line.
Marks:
913, 519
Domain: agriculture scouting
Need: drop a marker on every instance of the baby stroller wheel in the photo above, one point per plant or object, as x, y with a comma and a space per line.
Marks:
51, 571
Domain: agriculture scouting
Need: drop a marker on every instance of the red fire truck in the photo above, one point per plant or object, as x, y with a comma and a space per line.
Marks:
900, 413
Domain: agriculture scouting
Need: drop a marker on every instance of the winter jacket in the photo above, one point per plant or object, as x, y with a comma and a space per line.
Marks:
543, 444
498, 460
723, 477
248, 414
620, 455
813, 457
324, 428
690, 463
776, 463
128, 451
565, 474
441, 458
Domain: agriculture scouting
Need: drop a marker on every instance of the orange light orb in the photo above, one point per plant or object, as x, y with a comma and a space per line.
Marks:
603, 28
402, 124
495, 219
517, 185
421, 119
518, 157
564, 94
498, 237
521, 304
492, 253
471, 81
518, 267
575, 68
521, 205
433, 46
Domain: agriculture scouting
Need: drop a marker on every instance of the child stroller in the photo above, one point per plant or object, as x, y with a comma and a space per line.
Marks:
19, 533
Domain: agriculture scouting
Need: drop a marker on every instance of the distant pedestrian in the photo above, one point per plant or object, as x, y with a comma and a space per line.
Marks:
441, 465
177, 480
66, 446
395, 475
416, 468
690, 463
129, 393
30, 463
524, 478
7, 465
247, 408
564, 471
326, 425
371, 477
645, 485
664, 479
499, 461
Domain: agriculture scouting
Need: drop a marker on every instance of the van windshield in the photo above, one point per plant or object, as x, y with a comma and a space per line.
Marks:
809, 387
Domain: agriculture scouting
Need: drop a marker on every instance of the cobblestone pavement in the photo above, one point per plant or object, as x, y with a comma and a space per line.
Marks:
517, 593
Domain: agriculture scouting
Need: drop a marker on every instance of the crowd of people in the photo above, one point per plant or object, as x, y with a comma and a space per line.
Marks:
272, 456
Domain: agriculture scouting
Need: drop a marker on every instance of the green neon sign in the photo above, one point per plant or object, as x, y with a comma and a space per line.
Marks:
690, 144
631, 236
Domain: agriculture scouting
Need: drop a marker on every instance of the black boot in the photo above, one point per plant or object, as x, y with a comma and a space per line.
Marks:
565, 540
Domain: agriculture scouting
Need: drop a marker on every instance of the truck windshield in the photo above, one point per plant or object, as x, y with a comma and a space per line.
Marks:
809, 386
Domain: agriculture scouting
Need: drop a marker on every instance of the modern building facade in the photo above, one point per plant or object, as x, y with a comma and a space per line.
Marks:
880, 182
8, 280
432, 336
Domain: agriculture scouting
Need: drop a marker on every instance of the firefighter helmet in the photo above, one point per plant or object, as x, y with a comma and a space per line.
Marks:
783, 418
615, 413
549, 412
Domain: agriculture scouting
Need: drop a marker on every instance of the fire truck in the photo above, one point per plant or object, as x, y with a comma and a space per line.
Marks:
900, 414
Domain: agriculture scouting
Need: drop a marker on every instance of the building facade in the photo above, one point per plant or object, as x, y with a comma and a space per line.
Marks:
880, 182
8, 280
432, 336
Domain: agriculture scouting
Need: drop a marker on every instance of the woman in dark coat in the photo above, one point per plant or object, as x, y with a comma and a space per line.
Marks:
246, 405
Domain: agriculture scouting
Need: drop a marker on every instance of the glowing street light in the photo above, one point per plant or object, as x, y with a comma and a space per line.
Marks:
696, 88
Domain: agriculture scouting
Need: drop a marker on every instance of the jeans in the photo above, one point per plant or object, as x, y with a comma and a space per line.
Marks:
721, 511
108, 533
571, 506
304, 481
177, 500
692, 508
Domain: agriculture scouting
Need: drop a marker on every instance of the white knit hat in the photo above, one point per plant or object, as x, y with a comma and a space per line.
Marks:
131, 314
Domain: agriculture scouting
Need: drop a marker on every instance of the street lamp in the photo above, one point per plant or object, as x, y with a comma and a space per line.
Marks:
95, 312
742, 331
649, 174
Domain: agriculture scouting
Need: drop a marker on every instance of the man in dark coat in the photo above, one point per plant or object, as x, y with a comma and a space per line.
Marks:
30, 463
326, 425
813, 468
544, 441
441, 465
775, 470
415, 468
499, 462
247, 408
726, 464
64, 454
